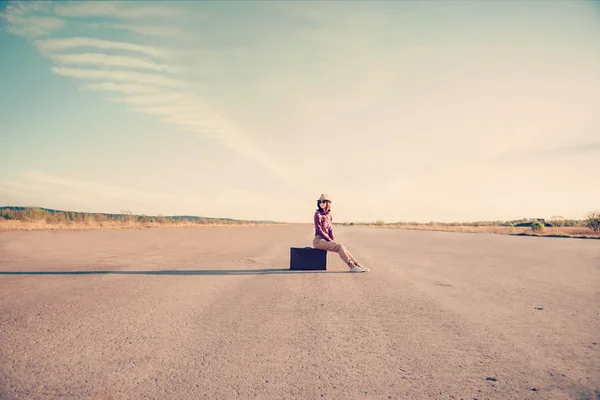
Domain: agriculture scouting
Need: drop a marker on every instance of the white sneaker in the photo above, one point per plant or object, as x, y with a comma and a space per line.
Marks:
362, 267
356, 269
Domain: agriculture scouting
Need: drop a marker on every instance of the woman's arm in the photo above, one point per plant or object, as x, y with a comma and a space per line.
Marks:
331, 228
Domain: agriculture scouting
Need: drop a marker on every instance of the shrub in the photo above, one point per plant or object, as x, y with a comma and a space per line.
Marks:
79, 217
537, 226
592, 221
35, 214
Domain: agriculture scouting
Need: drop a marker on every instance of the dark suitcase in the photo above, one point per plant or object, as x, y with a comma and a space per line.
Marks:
308, 258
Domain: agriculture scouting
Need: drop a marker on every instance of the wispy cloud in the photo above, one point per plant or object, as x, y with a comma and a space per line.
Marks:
39, 188
178, 98
170, 112
30, 20
51, 45
124, 10
171, 98
46, 189
117, 75
92, 187
192, 113
125, 88
150, 30
20, 188
99, 59
33, 27
553, 153
142, 73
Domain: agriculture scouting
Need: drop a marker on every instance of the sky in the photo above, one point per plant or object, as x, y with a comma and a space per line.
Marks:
398, 110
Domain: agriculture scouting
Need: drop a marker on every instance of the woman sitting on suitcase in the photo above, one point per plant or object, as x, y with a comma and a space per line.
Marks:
324, 239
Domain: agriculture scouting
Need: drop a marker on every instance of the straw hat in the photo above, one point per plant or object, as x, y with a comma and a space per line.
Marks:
325, 197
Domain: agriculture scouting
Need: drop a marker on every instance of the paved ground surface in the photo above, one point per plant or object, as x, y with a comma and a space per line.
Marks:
215, 313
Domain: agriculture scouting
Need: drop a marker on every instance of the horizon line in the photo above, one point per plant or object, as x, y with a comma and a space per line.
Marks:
288, 222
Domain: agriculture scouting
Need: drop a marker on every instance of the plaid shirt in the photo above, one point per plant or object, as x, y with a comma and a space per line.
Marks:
324, 226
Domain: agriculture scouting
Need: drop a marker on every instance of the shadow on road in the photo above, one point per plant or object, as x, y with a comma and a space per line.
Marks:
179, 272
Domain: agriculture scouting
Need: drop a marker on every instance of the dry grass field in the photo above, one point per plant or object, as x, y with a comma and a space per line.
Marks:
35, 218
42, 225
563, 231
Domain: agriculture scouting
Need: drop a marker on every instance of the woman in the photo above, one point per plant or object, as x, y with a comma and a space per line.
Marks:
324, 238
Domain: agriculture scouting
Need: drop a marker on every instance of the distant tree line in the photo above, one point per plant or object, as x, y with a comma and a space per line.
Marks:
58, 216
591, 220
517, 222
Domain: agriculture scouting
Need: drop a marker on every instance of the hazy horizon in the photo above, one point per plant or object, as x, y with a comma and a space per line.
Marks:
400, 111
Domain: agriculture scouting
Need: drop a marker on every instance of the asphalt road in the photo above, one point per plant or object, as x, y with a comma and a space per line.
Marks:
215, 313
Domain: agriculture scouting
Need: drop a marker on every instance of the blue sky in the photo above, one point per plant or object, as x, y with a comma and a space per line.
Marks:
399, 110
